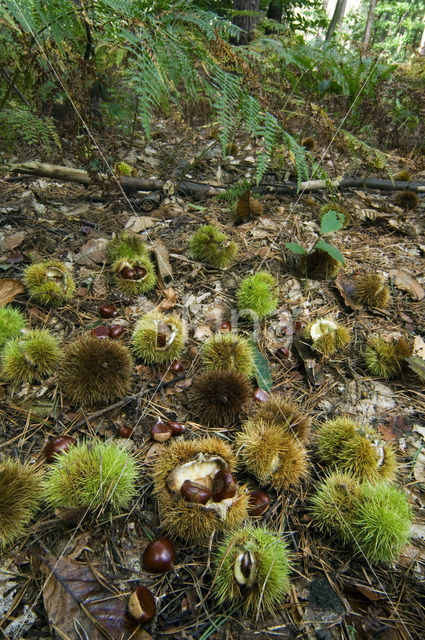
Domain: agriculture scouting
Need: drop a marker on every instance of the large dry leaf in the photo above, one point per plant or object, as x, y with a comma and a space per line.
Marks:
93, 252
163, 261
312, 364
169, 301
408, 283
13, 241
9, 289
135, 224
81, 604
347, 290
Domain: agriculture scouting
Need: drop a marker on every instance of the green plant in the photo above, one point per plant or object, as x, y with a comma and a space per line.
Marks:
30, 358
158, 338
94, 371
271, 453
227, 352
18, 124
326, 336
209, 244
323, 260
49, 282
257, 294
350, 447
251, 569
11, 323
94, 475
334, 503
217, 398
339, 208
20, 496
382, 522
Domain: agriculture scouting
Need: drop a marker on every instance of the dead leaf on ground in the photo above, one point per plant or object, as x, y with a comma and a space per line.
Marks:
9, 289
347, 289
93, 252
163, 261
312, 365
395, 427
13, 241
81, 604
169, 301
135, 224
408, 283
419, 347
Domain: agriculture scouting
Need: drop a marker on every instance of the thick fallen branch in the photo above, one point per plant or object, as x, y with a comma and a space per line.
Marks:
130, 185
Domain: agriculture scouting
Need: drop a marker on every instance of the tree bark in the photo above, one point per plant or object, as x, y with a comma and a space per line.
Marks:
274, 11
421, 49
369, 21
336, 18
245, 22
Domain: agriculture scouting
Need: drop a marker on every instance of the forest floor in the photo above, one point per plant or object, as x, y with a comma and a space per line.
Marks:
334, 594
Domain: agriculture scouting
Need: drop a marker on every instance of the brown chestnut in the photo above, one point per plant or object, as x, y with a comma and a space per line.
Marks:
58, 445
283, 352
161, 339
176, 427
108, 311
246, 564
100, 332
194, 492
297, 326
177, 366
161, 431
127, 273
141, 605
139, 273
115, 331
125, 432
259, 502
260, 395
224, 486
226, 326
159, 555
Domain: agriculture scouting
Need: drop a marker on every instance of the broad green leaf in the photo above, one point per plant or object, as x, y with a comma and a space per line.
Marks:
332, 221
262, 369
329, 248
295, 248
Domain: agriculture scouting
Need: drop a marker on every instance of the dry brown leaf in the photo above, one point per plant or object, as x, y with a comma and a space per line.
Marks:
135, 224
346, 288
93, 252
408, 283
13, 241
419, 347
79, 604
169, 301
9, 289
163, 261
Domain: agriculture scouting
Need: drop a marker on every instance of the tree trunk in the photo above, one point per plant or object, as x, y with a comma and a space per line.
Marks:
336, 18
274, 11
245, 22
369, 21
421, 49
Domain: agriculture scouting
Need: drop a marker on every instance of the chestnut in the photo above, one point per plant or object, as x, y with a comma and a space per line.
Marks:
108, 311
297, 326
177, 366
260, 395
224, 486
226, 326
161, 431
139, 273
259, 502
161, 339
141, 605
100, 332
159, 555
115, 331
176, 427
283, 352
246, 564
58, 445
127, 273
125, 432
194, 492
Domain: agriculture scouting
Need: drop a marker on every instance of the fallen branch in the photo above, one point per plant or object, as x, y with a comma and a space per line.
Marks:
129, 184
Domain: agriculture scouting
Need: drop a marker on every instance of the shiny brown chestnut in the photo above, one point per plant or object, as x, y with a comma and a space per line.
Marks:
58, 445
283, 352
260, 395
176, 427
177, 366
125, 432
224, 486
139, 273
161, 431
141, 605
127, 273
297, 326
161, 339
108, 311
115, 331
159, 555
100, 332
246, 564
194, 492
259, 502
226, 326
